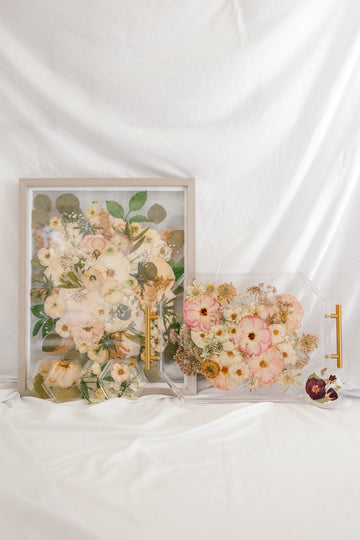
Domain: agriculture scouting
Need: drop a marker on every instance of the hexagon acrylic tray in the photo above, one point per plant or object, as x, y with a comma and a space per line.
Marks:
252, 338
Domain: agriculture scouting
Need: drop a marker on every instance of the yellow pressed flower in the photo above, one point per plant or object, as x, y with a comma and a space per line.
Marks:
55, 223
92, 212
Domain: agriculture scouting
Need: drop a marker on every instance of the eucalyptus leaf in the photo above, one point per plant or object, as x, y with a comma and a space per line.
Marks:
138, 200
38, 387
123, 312
115, 209
138, 219
37, 327
50, 342
157, 213
73, 355
108, 378
40, 218
37, 264
176, 240
137, 245
148, 271
138, 339
67, 203
42, 202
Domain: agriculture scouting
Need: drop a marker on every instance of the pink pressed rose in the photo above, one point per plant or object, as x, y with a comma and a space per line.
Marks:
201, 313
88, 331
292, 311
93, 243
252, 335
266, 367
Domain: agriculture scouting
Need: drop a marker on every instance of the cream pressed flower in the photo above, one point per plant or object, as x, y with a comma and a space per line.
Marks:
278, 333
99, 394
135, 229
110, 250
62, 329
112, 291
97, 354
92, 212
55, 223
198, 338
289, 380
101, 312
95, 368
131, 282
64, 374
252, 383
91, 279
44, 256
161, 249
288, 352
119, 372
54, 306
113, 267
82, 347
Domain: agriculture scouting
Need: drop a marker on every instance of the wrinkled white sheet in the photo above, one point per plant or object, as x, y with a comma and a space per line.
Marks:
259, 101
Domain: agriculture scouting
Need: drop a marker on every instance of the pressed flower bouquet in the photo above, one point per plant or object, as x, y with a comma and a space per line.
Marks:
250, 341
98, 258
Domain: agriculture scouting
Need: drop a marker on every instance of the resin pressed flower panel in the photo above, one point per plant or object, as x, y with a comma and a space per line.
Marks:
98, 258
253, 341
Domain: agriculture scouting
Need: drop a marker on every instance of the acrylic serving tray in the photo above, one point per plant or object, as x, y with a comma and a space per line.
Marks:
253, 338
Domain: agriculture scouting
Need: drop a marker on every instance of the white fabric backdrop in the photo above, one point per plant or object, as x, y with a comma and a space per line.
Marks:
259, 101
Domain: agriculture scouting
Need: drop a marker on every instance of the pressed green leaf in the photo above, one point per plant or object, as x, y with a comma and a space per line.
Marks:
171, 263
50, 342
48, 326
73, 355
137, 245
84, 390
138, 200
39, 218
157, 213
115, 209
67, 203
67, 394
139, 339
170, 350
140, 235
38, 387
179, 269
178, 290
42, 202
38, 311
108, 378
138, 219
37, 264
37, 327
176, 240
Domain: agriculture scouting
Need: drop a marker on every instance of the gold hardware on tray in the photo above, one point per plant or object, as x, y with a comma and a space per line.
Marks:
338, 354
148, 318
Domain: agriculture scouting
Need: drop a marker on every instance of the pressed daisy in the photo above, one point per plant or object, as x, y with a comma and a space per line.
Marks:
112, 291
218, 332
92, 212
62, 329
55, 306
198, 338
194, 291
119, 372
55, 223
226, 292
233, 371
210, 288
288, 379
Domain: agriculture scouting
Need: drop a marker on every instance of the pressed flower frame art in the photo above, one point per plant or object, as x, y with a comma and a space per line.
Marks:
95, 254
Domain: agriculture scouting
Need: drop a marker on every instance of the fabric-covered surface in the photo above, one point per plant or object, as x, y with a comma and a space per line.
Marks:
259, 101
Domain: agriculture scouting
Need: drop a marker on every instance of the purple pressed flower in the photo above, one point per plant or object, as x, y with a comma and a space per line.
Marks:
331, 394
315, 388
332, 378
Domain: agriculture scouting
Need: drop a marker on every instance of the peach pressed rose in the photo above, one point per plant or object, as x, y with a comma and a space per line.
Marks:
87, 331
150, 295
64, 374
93, 244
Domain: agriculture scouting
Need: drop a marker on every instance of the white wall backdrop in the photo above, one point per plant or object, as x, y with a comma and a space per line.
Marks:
258, 100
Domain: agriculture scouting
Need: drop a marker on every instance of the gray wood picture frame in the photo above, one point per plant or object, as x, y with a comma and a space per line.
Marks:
26, 187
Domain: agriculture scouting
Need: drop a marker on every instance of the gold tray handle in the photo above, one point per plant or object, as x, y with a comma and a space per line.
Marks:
148, 318
338, 355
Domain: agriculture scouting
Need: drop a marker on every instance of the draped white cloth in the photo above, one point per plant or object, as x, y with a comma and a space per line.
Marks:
259, 101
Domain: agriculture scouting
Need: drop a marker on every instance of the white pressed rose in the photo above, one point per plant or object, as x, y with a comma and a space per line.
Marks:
119, 372
44, 256
54, 306
112, 291
62, 329
64, 374
113, 267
